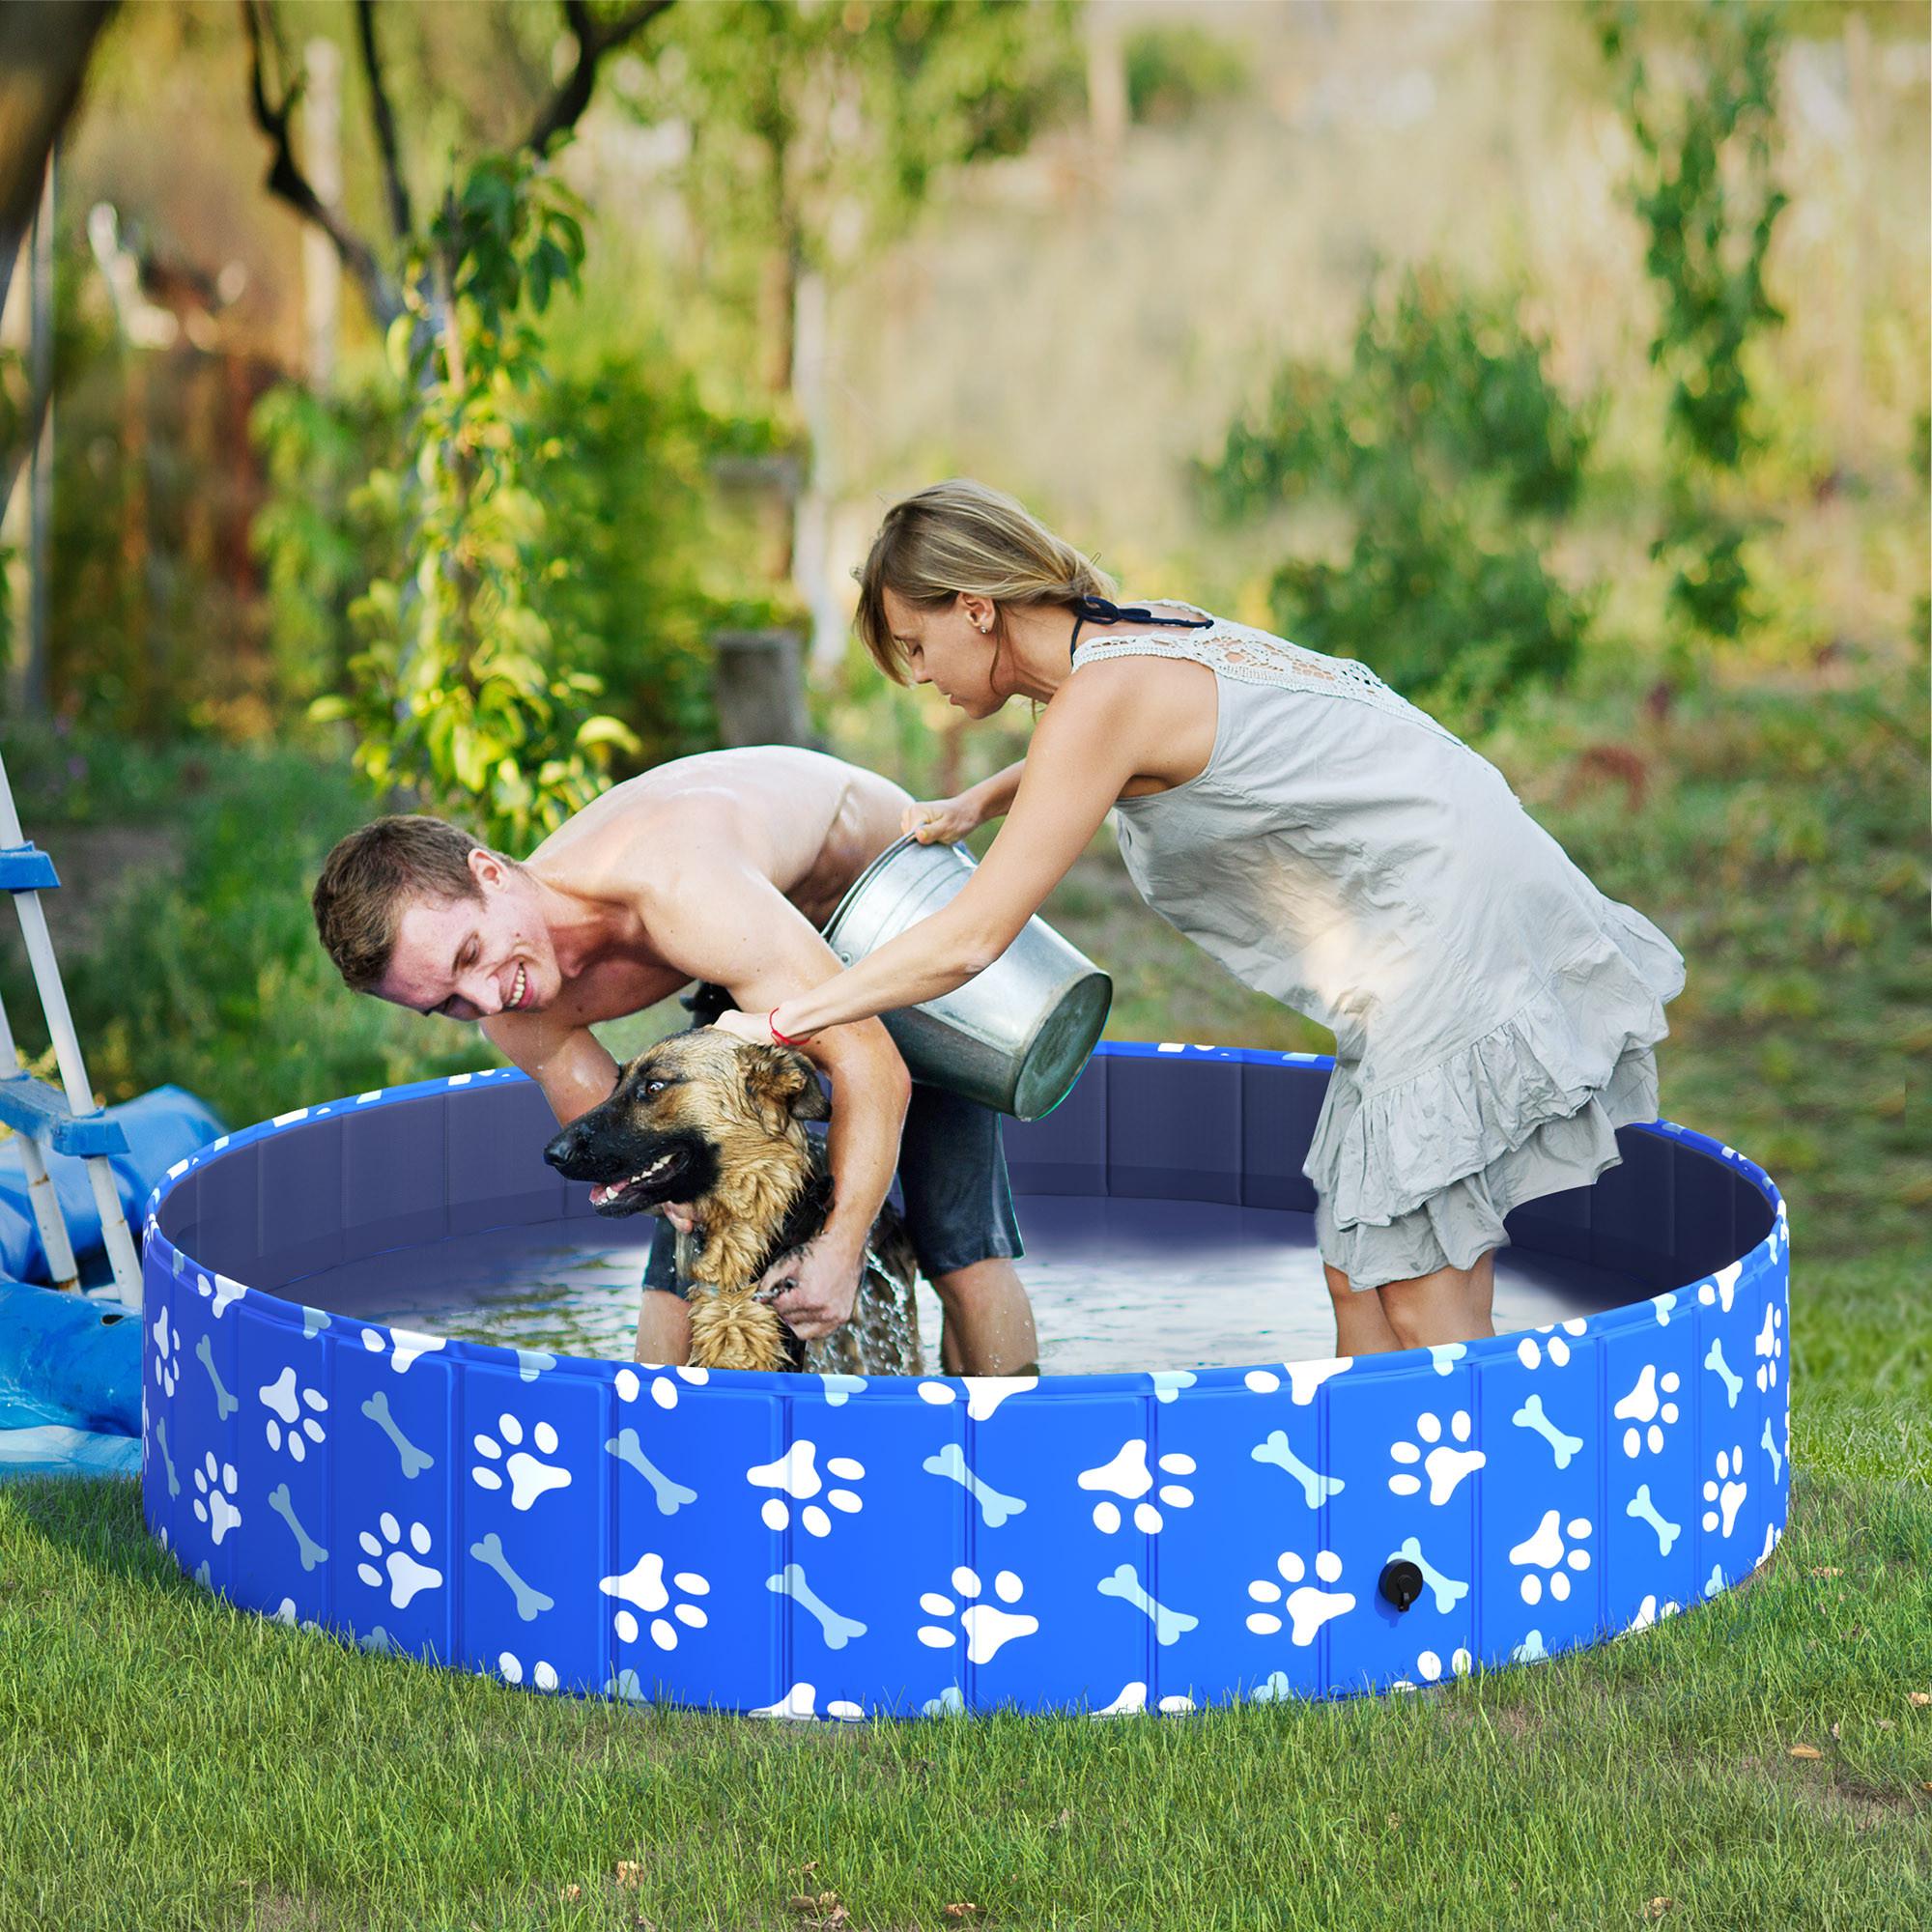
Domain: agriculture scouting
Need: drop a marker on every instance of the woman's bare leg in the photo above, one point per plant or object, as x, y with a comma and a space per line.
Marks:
1450, 1305
1361, 1327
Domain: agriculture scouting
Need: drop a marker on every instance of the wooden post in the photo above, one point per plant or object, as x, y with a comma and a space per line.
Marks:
757, 686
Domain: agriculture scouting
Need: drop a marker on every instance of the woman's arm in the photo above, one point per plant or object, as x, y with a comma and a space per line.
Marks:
994, 796
1084, 750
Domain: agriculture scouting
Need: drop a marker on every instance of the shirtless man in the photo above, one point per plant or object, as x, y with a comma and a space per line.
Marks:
723, 868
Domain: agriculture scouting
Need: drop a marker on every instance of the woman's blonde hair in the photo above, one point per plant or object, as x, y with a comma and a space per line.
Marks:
960, 536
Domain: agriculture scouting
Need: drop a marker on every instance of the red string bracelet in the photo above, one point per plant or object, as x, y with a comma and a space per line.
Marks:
783, 1039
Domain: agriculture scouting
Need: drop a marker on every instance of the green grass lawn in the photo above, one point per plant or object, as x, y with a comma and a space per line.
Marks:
173, 1763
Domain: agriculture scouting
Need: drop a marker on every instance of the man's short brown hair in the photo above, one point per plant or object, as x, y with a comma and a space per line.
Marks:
373, 874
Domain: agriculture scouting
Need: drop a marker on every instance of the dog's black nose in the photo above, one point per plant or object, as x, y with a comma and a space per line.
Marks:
563, 1149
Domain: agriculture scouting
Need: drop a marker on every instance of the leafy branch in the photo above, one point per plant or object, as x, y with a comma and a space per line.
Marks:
274, 107
469, 688
1702, 106
1447, 446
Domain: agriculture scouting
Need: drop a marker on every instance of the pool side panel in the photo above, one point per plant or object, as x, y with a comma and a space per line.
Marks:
812, 1547
1066, 1152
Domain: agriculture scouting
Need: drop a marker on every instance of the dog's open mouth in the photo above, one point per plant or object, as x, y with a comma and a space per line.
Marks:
620, 1197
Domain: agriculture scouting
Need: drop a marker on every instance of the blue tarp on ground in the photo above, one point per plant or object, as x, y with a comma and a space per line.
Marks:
70, 1364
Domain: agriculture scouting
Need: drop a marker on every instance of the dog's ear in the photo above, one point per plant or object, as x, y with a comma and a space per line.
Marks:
782, 1085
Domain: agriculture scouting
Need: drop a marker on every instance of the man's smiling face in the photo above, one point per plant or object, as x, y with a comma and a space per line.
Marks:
469, 958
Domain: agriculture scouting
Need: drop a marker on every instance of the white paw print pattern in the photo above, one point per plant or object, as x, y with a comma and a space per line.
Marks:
1724, 1493
796, 1475
1308, 1606
167, 1352
643, 1588
529, 1478
1446, 1463
1529, 1351
1128, 1477
223, 1292
1651, 1611
214, 1500
987, 1626
409, 1577
1650, 1408
1430, 1666
1722, 1286
661, 1383
1769, 1347
297, 1410
1547, 1551
510, 1668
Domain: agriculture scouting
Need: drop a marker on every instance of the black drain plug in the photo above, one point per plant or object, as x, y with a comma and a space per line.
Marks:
1400, 1583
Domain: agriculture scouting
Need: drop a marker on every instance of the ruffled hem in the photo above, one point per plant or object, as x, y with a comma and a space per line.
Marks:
1466, 1219
1379, 1151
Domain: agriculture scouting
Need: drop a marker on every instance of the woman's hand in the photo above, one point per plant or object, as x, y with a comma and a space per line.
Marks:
753, 1029
942, 821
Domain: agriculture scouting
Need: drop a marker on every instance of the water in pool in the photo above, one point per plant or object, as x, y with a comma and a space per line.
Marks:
1115, 1285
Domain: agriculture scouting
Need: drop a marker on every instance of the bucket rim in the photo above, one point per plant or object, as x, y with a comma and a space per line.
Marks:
878, 865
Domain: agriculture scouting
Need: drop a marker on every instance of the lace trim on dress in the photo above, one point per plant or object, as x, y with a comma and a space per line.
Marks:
1256, 657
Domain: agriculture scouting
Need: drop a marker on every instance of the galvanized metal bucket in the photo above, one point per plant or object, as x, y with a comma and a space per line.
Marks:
1016, 1037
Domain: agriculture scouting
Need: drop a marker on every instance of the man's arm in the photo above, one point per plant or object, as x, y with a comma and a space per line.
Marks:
570, 1063
716, 917
1089, 743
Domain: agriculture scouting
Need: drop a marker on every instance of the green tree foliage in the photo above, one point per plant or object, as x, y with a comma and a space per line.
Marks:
1175, 72
331, 521
626, 499
1697, 88
1450, 451
814, 127
470, 689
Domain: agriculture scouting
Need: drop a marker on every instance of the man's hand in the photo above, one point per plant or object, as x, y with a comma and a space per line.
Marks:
819, 1284
681, 1214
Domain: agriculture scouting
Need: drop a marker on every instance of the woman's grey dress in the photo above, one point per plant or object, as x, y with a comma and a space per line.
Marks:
1493, 1012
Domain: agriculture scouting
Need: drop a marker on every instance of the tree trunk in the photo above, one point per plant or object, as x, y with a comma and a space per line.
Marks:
812, 514
321, 265
44, 53
34, 668
1106, 77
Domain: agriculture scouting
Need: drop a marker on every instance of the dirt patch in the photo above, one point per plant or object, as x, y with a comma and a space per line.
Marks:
283, 1912
1841, 1796
97, 863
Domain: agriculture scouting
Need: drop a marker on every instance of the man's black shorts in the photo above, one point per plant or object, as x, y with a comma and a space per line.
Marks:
952, 1184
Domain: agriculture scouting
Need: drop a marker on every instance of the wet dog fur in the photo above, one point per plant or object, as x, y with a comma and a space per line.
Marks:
705, 1118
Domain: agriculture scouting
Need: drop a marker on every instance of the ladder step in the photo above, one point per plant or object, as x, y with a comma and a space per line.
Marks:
31, 1107
26, 869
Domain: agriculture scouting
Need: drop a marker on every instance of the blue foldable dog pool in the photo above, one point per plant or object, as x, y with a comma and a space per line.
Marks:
812, 1546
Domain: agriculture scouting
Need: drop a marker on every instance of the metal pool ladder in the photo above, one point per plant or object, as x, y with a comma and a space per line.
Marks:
63, 1118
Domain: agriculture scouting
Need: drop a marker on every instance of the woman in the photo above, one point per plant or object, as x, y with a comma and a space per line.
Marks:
1325, 841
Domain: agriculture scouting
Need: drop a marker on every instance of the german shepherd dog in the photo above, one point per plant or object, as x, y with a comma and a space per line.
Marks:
705, 1118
